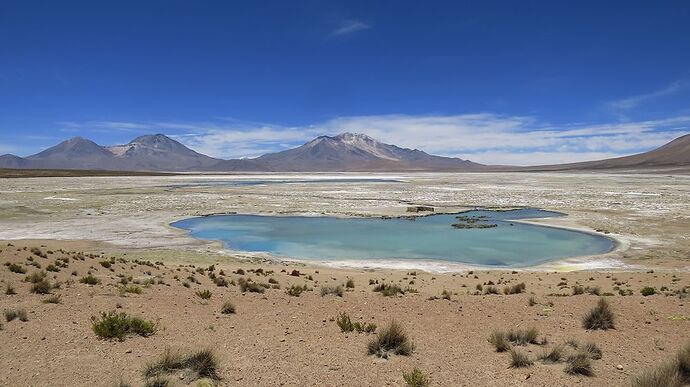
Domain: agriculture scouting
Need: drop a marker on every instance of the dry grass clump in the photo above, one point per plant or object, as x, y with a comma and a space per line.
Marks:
673, 373
500, 341
518, 359
416, 378
114, 325
134, 289
388, 290
41, 287
350, 284
295, 290
579, 364
503, 340
515, 289
200, 364
554, 355
227, 308
9, 290
16, 268
391, 339
90, 280
250, 286
600, 317
335, 290
54, 299
35, 277
203, 294
11, 314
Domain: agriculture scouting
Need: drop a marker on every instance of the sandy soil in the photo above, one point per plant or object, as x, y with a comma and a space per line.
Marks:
277, 339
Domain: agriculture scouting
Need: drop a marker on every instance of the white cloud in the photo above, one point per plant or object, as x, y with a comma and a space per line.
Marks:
636, 100
481, 137
349, 27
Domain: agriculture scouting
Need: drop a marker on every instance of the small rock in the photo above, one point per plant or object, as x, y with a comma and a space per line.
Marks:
128, 351
619, 367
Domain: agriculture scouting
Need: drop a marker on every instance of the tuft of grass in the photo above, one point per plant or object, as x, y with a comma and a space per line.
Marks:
344, 322
499, 341
416, 378
157, 381
648, 291
16, 268
579, 364
130, 289
532, 301
391, 339
54, 299
228, 308
388, 290
114, 325
518, 359
9, 290
36, 276
592, 350
11, 314
295, 290
203, 294
201, 364
672, 373
515, 289
523, 336
600, 317
552, 356
41, 287
252, 287
335, 290
90, 280
490, 290
350, 284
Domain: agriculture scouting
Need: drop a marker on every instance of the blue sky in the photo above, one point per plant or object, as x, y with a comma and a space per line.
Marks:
494, 81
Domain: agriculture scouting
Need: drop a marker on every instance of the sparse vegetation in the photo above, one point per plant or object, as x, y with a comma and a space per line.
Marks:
250, 286
12, 314
648, 291
579, 364
41, 287
204, 294
391, 339
350, 284
295, 290
673, 373
54, 299
388, 290
554, 355
518, 359
499, 341
227, 308
416, 378
9, 290
197, 365
346, 325
16, 268
335, 290
90, 280
600, 317
114, 325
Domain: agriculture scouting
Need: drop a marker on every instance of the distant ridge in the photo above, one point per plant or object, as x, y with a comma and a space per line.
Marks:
346, 152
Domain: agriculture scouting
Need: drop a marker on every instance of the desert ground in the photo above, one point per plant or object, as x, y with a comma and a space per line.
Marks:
105, 244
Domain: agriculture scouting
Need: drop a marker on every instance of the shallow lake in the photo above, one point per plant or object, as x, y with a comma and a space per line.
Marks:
480, 237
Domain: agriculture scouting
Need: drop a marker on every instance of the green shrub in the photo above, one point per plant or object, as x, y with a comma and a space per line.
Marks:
648, 291
416, 378
388, 290
600, 317
392, 339
114, 325
295, 290
16, 268
90, 280
36, 276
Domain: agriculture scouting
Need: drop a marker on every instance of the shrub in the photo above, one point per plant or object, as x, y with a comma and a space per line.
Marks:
9, 290
523, 336
388, 290
577, 290
202, 364
446, 295
600, 317
113, 325
11, 314
344, 322
518, 359
553, 356
499, 341
350, 284
203, 294
252, 287
16, 268
648, 291
579, 364
130, 289
220, 281
157, 381
41, 287
52, 267
490, 290
416, 378
335, 290
532, 301
228, 308
295, 290
392, 339
54, 299
90, 280
592, 350
295, 273
673, 373
515, 289
36, 276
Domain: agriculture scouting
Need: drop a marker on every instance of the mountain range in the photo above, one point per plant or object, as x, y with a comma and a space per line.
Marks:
344, 152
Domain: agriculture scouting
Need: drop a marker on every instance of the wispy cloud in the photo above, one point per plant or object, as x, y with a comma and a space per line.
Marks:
349, 27
637, 100
481, 137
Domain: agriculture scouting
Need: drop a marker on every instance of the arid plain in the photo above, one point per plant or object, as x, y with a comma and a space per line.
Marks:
99, 226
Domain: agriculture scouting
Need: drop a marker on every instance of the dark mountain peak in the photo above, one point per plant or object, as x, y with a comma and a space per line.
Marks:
153, 144
75, 147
